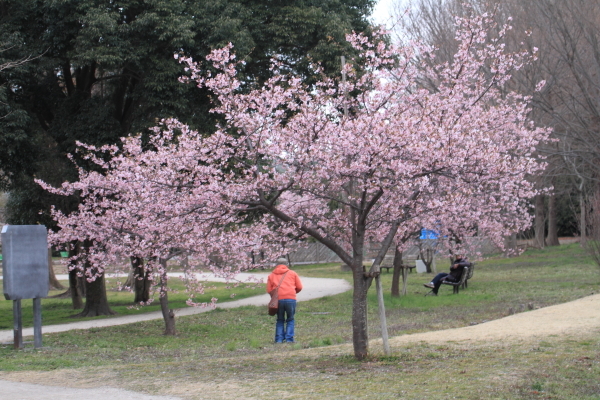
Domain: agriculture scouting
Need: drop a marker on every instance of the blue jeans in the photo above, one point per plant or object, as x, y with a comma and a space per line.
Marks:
285, 316
437, 281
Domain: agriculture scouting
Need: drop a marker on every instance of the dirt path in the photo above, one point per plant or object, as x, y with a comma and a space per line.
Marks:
578, 317
575, 317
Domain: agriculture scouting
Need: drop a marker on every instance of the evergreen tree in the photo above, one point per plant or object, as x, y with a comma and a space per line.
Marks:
105, 69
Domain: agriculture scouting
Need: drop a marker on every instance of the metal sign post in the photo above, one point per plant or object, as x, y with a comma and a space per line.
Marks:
17, 324
25, 274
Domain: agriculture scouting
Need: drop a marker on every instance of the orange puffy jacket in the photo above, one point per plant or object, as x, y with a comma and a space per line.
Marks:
290, 285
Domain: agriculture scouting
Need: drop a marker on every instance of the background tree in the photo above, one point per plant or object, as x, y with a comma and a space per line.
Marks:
593, 245
566, 35
106, 70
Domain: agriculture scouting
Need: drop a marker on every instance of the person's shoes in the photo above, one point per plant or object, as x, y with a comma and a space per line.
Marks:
429, 285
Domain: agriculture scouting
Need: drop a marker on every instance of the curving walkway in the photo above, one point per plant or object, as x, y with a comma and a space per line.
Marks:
313, 288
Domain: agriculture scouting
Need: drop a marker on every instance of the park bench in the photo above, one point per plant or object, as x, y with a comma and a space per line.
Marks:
467, 274
388, 267
409, 263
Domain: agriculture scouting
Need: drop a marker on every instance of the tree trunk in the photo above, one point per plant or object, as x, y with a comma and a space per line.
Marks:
360, 331
141, 282
552, 239
75, 289
510, 245
168, 314
582, 220
96, 302
426, 253
540, 222
593, 245
54, 283
397, 272
404, 280
76, 284
428, 259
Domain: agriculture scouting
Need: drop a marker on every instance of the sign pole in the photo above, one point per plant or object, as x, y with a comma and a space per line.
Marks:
37, 322
17, 324
384, 331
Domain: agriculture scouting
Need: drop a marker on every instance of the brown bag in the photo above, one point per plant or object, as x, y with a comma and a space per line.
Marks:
274, 303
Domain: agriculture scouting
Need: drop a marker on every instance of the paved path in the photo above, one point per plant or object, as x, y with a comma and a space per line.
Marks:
313, 288
30, 391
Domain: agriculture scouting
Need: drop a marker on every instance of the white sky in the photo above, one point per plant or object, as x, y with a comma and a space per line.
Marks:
383, 11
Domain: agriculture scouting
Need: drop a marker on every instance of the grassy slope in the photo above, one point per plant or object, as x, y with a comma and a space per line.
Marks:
229, 352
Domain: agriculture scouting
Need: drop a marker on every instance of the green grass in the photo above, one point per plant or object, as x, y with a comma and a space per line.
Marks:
229, 353
57, 311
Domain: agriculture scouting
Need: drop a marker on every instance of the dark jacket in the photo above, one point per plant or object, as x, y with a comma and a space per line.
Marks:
457, 272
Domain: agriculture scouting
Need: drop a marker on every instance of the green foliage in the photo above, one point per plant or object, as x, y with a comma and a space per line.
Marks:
105, 69
14, 122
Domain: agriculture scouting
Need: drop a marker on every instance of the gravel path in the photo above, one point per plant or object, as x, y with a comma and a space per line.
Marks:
578, 317
572, 318
30, 391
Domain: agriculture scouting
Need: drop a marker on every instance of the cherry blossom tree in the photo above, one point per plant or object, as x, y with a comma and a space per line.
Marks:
453, 155
125, 212
345, 162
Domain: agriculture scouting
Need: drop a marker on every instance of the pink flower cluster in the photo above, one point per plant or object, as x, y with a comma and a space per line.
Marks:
369, 160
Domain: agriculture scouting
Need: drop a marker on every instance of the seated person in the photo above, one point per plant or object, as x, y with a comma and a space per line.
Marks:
454, 276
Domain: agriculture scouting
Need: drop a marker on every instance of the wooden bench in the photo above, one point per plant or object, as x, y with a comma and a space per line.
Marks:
388, 267
467, 274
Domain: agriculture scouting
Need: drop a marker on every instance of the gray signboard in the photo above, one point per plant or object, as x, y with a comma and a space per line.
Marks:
25, 261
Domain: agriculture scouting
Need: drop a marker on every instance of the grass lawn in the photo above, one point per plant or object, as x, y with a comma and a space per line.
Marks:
57, 311
228, 353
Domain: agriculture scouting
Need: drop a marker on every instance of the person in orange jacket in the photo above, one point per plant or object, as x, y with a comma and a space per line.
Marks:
290, 285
